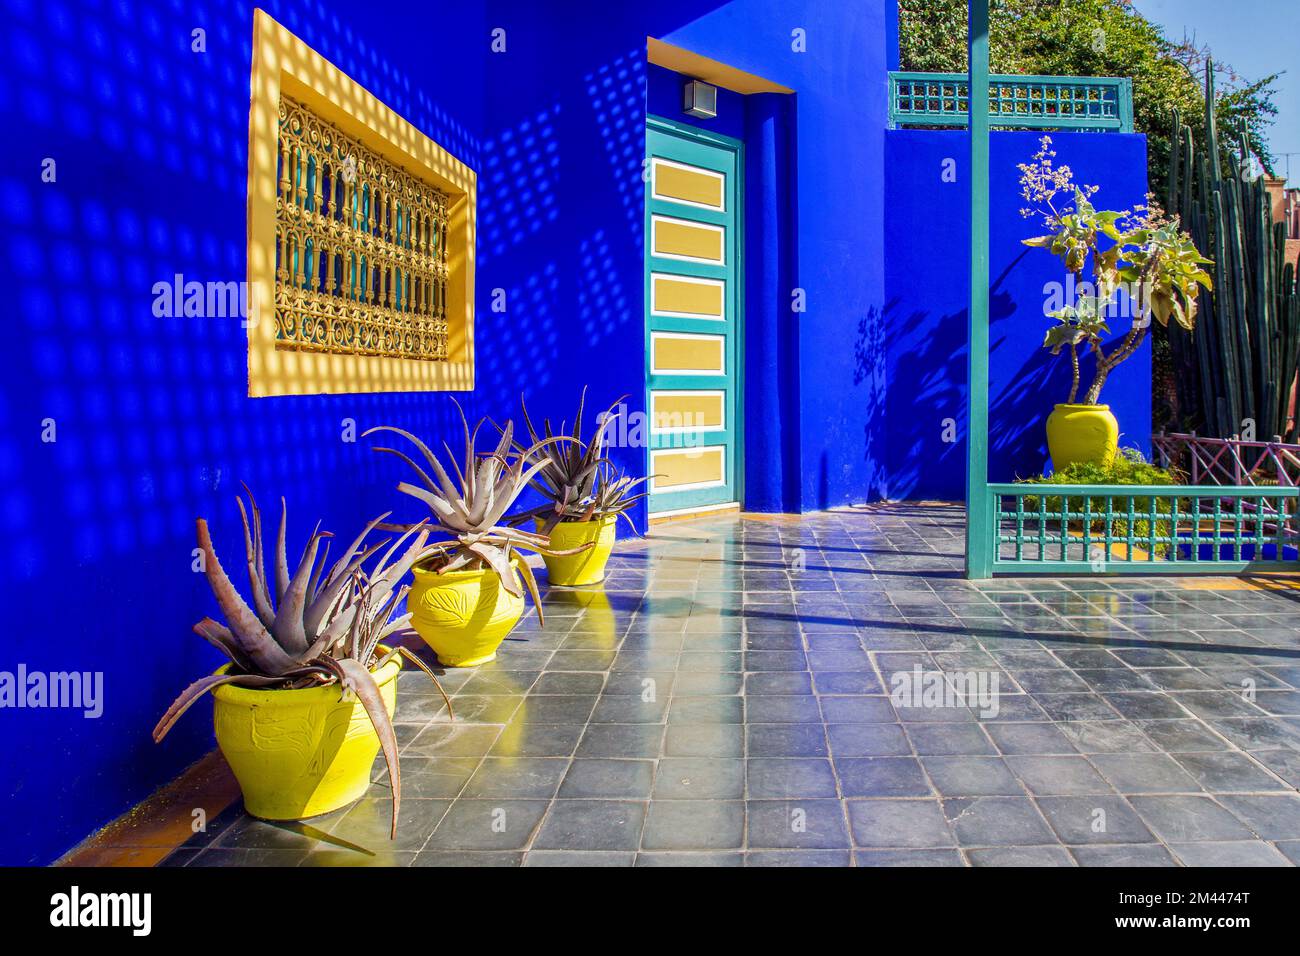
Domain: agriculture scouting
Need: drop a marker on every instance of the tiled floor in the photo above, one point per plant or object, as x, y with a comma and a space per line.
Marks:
725, 700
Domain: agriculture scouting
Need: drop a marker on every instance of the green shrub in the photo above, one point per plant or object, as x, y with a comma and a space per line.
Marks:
1128, 468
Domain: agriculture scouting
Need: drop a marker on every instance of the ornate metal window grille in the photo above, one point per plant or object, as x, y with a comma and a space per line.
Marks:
361, 247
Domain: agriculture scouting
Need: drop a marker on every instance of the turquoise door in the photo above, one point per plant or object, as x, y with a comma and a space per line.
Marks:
694, 317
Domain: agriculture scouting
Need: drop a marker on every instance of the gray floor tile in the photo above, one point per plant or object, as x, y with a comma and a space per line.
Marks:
627, 741
899, 823
997, 821
868, 740
579, 858
680, 859
881, 777
694, 825
720, 740
1146, 854
1021, 856
592, 825
699, 778
1226, 772
1046, 775
799, 858
517, 777
971, 776
796, 824
1188, 819
623, 779
487, 825
924, 858
1228, 854
1270, 816
948, 739
1029, 738
777, 777
1094, 819
785, 740
1145, 773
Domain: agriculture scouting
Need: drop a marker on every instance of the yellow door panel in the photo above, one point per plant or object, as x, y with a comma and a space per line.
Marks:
684, 354
687, 466
689, 184
687, 410
681, 295
687, 240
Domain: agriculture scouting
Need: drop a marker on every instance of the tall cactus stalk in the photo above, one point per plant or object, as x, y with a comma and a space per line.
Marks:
1247, 345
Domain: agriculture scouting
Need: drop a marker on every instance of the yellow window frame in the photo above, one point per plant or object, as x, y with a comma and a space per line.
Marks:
282, 63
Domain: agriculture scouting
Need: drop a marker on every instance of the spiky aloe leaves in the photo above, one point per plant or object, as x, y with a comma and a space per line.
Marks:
469, 509
317, 628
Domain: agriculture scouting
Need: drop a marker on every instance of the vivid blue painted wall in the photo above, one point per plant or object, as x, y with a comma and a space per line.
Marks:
154, 425
832, 451
925, 322
813, 412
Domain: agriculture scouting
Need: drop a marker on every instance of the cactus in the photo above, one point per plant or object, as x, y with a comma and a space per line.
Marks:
1244, 356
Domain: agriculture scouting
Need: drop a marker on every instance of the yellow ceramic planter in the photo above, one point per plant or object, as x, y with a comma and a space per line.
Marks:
299, 753
463, 615
1082, 434
585, 567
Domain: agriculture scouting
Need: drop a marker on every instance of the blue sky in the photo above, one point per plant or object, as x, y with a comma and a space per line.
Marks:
1256, 37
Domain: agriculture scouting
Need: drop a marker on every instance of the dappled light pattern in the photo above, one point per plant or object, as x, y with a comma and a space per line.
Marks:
150, 414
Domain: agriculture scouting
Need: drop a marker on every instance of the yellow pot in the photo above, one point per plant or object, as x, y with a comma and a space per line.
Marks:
585, 567
1082, 434
299, 753
463, 615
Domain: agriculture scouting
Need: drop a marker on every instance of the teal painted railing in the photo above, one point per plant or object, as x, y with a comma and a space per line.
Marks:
1024, 102
1144, 529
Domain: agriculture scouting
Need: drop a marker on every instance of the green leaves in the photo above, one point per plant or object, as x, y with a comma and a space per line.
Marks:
1148, 255
1081, 324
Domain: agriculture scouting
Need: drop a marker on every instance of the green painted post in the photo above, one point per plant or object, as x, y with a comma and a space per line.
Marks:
979, 503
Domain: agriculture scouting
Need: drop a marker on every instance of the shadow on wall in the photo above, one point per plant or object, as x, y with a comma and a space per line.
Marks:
927, 220
870, 370
559, 273
152, 421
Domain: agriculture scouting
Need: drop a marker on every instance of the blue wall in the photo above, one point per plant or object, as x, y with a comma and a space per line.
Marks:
823, 444
924, 326
582, 84
154, 425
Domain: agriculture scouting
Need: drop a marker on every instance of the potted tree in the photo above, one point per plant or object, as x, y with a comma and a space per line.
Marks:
469, 588
307, 699
584, 498
1140, 252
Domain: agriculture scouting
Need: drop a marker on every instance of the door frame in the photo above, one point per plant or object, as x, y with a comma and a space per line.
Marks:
663, 124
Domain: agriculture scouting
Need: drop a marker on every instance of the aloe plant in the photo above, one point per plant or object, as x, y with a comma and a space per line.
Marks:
322, 627
470, 511
578, 482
